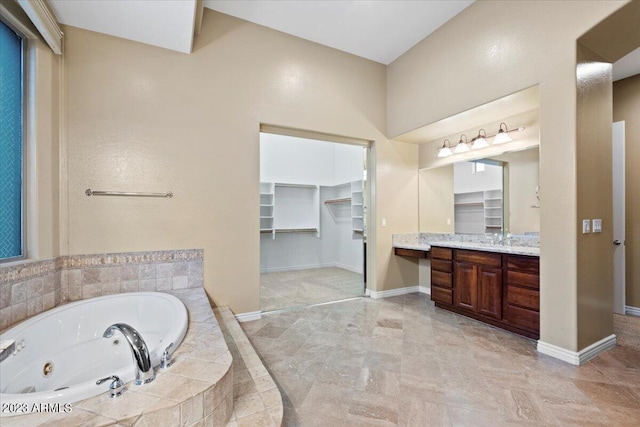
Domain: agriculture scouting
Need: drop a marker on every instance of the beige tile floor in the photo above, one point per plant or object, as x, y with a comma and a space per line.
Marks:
400, 361
298, 288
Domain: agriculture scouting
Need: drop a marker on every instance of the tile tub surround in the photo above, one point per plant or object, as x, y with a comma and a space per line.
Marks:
521, 245
196, 390
30, 288
257, 400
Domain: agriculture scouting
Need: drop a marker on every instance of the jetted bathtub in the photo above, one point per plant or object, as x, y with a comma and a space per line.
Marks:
62, 352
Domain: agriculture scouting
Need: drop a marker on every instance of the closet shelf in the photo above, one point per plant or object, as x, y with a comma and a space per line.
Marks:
470, 204
280, 184
296, 230
334, 201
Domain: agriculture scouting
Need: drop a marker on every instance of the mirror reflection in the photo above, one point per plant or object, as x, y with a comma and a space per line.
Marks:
495, 195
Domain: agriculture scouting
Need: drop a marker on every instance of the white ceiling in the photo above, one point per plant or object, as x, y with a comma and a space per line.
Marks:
380, 30
377, 30
163, 23
627, 66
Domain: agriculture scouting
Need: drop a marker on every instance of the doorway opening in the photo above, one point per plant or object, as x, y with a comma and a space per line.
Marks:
313, 208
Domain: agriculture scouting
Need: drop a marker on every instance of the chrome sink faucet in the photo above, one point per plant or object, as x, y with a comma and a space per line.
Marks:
139, 351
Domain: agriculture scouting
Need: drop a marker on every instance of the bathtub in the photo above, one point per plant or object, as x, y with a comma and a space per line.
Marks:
61, 353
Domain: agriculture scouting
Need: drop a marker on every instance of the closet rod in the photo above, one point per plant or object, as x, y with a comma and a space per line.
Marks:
90, 192
277, 184
332, 201
296, 230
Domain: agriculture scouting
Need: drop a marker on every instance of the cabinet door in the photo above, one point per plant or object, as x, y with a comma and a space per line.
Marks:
465, 293
490, 292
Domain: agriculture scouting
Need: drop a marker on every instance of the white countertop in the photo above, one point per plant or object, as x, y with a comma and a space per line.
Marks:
516, 250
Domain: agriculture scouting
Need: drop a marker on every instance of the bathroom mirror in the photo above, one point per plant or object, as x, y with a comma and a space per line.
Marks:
497, 194
447, 144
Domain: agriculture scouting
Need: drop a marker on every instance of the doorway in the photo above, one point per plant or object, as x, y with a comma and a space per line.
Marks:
618, 168
313, 206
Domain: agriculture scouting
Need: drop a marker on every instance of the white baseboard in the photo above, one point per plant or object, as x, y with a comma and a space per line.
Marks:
248, 317
577, 357
393, 292
367, 292
399, 291
311, 266
634, 311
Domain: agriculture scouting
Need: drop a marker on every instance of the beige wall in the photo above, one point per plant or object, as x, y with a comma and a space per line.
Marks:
626, 106
397, 203
140, 118
523, 178
594, 178
527, 43
43, 128
437, 211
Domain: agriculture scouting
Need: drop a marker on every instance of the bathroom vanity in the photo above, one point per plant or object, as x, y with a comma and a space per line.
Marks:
495, 284
499, 289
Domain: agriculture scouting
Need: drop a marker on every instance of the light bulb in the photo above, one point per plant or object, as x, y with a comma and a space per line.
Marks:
479, 142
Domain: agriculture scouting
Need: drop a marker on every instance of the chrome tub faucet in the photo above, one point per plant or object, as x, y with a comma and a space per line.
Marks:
139, 351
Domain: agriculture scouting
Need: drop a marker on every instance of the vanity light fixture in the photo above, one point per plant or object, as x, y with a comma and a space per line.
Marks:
445, 150
477, 143
463, 146
502, 135
480, 141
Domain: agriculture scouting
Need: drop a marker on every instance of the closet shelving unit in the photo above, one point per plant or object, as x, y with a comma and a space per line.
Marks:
478, 212
357, 207
493, 211
289, 208
266, 207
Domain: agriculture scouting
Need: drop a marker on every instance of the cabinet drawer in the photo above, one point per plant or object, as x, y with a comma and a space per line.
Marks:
441, 253
522, 297
439, 265
476, 257
523, 279
412, 253
441, 295
439, 278
524, 263
523, 318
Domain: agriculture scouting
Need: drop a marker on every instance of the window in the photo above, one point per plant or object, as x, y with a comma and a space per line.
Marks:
11, 145
477, 167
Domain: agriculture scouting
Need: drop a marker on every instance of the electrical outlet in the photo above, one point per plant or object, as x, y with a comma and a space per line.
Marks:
586, 226
448, 221
597, 226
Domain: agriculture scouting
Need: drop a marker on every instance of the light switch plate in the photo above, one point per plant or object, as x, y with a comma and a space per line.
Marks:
384, 222
597, 226
586, 226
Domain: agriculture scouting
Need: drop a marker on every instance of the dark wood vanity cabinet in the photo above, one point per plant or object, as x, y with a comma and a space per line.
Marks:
442, 275
499, 289
522, 293
478, 282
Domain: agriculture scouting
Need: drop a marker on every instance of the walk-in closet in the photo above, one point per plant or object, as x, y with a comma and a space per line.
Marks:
312, 221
